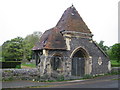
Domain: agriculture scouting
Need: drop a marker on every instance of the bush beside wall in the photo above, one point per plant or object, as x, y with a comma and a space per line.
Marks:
10, 64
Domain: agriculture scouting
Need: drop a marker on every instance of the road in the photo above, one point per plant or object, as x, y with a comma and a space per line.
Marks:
98, 82
94, 83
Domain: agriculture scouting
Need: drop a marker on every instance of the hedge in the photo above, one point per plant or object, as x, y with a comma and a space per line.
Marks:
115, 65
10, 64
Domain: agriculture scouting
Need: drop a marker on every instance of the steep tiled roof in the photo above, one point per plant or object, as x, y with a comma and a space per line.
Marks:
70, 21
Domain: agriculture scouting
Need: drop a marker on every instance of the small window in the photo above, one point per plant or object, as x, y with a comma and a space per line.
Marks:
56, 62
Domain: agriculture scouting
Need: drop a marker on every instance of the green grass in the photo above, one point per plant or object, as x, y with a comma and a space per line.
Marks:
2, 59
114, 63
116, 79
29, 65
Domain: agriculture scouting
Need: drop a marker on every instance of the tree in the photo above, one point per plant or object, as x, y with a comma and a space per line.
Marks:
114, 52
12, 50
29, 42
103, 47
0, 53
19, 48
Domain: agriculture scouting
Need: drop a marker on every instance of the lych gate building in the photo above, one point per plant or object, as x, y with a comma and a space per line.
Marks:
69, 50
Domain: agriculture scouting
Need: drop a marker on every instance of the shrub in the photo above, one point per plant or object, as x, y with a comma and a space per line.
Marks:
60, 78
11, 64
18, 66
87, 76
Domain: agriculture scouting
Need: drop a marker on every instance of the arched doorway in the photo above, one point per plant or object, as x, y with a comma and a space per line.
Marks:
78, 62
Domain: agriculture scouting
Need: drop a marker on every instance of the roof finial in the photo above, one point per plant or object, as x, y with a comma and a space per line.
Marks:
72, 5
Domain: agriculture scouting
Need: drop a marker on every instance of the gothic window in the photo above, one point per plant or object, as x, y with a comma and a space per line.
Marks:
56, 62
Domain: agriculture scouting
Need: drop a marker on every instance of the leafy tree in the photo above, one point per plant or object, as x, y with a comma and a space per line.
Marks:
12, 50
114, 52
0, 53
103, 47
20, 49
29, 42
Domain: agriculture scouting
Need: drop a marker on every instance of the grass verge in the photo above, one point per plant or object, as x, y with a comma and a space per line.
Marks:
28, 65
114, 63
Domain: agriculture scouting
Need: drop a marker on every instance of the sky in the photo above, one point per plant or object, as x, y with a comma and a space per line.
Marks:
23, 17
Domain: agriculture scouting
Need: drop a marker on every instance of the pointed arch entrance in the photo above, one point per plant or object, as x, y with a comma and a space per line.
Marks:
80, 62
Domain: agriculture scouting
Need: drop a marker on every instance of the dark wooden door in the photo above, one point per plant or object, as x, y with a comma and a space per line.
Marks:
78, 64
80, 67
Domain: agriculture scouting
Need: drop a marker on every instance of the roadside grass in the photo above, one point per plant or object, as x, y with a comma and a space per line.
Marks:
116, 79
0, 59
28, 65
40, 86
114, 63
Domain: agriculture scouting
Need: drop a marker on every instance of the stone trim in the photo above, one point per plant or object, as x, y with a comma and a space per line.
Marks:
79, 48
74, 32
109, 66
68, 43
45, 52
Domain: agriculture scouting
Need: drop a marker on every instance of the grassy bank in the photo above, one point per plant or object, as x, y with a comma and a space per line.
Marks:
28, 65
114, 63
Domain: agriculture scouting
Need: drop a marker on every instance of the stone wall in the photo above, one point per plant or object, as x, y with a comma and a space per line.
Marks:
30, 74
94, 51
115, 69
19, 74
26, 74
96, 61
45, 65
95, 56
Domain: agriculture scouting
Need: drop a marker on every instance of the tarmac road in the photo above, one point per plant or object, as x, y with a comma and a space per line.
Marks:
99, 82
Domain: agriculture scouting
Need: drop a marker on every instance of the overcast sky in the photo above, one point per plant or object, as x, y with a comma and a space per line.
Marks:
23, 17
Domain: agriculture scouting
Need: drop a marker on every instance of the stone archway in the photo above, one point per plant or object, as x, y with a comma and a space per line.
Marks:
80, 62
